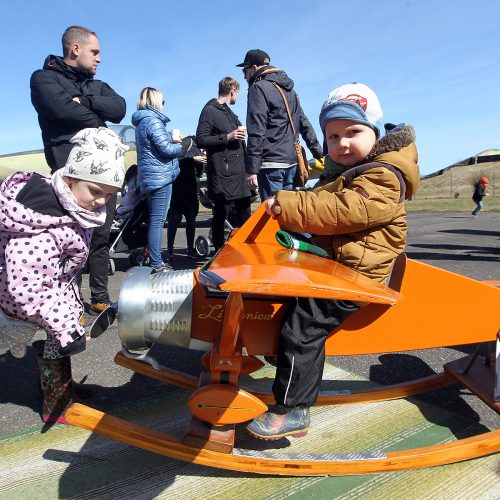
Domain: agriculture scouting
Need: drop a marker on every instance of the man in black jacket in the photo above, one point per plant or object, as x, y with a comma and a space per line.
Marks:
67, 100
222, 135
271, 157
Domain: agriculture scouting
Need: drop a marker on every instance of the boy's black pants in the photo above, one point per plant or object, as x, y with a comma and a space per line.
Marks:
301, 351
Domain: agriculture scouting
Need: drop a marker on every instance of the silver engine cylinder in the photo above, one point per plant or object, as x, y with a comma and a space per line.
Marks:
155, 308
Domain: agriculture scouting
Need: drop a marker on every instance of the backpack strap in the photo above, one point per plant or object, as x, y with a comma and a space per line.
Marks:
352, 173
278, 88
266, 72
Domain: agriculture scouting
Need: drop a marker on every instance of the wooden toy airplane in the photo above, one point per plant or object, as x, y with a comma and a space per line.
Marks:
249, 282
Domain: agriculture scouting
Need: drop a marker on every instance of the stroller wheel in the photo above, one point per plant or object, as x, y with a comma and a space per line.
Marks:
138, 258
201, 245
111, 267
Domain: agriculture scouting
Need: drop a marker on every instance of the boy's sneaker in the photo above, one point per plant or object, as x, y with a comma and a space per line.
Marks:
279, 422
170, 255
191, 253
98, 307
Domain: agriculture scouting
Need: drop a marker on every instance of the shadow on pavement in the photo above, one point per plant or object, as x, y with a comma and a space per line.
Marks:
472, 248
438, 256
398, 368
479, 232
20, 382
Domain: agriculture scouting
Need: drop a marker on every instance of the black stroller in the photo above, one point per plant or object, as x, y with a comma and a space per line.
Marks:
129, 232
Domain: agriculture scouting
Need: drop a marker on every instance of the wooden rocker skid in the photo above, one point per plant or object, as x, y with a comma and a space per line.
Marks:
226, 457
313, 465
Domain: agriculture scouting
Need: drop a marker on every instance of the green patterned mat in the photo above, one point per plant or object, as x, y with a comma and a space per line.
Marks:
68, 462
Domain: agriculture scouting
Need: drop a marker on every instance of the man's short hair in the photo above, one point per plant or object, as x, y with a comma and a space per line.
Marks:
75, 34
226, 85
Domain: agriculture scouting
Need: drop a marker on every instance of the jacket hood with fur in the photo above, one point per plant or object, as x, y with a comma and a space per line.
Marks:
386, 151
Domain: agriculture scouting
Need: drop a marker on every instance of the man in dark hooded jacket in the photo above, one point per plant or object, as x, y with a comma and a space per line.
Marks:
67, 100
220, 132
271, 157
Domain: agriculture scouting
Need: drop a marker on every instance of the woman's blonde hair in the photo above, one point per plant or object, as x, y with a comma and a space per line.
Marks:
150, 98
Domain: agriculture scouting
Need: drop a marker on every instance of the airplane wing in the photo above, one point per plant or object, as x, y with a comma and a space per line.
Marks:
252, 261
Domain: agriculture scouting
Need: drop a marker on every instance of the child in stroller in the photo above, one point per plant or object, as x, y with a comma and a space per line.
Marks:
129, 232
184, 201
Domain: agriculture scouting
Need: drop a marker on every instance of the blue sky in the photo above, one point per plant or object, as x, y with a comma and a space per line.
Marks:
434, 64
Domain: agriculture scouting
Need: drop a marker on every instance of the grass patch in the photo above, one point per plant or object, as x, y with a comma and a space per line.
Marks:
451, 204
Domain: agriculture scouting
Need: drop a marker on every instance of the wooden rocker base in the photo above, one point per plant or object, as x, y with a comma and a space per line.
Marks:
309, 464
376, 394
283, 464
478, 377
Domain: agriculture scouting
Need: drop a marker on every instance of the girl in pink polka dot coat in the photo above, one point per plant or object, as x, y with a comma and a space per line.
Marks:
46, 224
41, 248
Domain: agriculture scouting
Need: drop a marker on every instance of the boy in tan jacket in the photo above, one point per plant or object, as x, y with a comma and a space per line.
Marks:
356, 213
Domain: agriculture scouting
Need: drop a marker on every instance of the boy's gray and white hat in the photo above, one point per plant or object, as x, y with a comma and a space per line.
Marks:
97, 156
356, 102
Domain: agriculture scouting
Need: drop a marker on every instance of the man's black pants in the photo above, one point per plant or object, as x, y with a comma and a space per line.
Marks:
98, 261
301, 352
240, 212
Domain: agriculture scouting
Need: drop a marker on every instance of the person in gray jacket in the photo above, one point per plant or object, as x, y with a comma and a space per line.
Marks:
271, 157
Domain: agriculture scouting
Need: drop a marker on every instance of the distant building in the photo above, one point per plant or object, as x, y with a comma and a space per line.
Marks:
488, 155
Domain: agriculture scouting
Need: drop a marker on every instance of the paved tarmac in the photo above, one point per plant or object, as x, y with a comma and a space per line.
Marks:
454, 241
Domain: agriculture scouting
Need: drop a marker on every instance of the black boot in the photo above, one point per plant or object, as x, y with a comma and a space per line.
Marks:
84, 391
56, 384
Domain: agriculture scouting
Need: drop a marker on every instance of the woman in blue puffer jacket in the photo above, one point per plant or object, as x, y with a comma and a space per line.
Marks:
157, 164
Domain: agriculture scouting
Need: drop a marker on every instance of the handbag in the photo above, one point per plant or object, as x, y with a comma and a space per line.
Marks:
302, 172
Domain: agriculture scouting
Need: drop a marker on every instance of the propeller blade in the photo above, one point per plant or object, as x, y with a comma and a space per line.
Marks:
104, 321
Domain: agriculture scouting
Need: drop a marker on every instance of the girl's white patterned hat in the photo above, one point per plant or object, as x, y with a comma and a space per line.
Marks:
97, 156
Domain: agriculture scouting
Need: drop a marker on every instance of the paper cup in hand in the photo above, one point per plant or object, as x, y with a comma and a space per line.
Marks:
243, 129
176, 134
